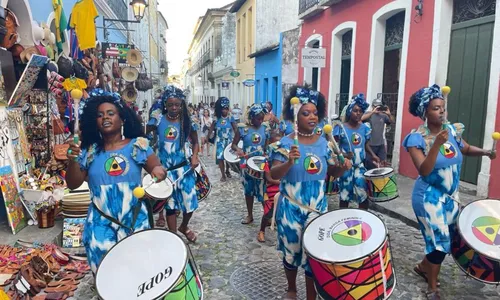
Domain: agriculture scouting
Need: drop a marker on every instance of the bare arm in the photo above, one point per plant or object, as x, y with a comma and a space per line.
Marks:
236, 139
153, 166
470, 150
280, 169
211, 129
367, 116
424, 164
270, 179
75, 176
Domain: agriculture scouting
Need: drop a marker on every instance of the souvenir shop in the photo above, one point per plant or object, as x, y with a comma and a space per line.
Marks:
46, 72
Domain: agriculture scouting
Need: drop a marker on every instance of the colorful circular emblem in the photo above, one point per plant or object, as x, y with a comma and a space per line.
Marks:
356, 139
223, 122
171, 133
312, 164
351, 233
319, 130
256, 138
116, 165
448, 150
487, 230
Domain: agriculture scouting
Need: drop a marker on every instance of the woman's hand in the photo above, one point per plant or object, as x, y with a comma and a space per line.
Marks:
376, 159
74, 151
240, 152
349, 155
195, 161
347, 165
294, 154
159, 173
441, 138
492, 154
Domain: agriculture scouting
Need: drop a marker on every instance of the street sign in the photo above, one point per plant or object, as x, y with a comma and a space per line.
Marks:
313, 57
234, 73
249, 82
225, 85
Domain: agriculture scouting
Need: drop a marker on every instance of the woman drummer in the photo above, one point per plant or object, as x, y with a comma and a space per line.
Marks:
225, 126
437, 150
111, 156
255, 136
174, 129
302, 187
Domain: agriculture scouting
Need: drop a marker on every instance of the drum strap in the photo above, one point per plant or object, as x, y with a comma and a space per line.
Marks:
302, 205
182, 164
135, 213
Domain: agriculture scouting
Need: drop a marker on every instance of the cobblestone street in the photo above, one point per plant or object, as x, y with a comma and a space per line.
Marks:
234, 265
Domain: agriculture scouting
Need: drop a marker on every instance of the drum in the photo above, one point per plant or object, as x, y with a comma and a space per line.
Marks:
150, 264
230, 155
332, 185
350, 256
476, 247
158, 192
256, 166
203, 186
382, 184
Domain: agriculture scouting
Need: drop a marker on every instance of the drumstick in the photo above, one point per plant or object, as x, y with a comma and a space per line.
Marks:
327, 129
140, 192
445, 90
76, 94
295, 102
259, 149
496, 137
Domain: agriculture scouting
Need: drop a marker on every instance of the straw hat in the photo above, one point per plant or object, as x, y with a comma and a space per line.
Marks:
130, 74
27, 53
38, 33
129, 94
134, 57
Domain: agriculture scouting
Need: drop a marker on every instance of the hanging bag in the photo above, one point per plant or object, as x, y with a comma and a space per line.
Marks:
143, 82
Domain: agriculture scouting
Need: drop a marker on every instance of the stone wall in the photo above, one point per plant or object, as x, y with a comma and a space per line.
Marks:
273, 17
228, 56
290, 59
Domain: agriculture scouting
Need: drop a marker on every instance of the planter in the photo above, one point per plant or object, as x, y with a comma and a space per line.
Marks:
46, 217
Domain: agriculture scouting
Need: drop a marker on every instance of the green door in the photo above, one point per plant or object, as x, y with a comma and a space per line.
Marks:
468, 77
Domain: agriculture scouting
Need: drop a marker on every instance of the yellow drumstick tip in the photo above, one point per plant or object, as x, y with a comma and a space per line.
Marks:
76, 94
445, 90
327, 129
139, 192
496, 136
294, 101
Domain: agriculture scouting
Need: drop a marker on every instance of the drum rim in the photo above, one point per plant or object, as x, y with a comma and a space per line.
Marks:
396, 196
156, 198
149, 229
461, 235
252, 159
229, 146
380, 175
352, 260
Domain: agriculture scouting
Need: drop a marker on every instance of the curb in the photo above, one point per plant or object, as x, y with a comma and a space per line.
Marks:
379, 208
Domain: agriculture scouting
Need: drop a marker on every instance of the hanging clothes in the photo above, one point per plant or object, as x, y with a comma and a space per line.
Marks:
61, 24
82, 20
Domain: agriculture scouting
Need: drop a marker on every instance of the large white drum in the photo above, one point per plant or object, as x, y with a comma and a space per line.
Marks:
150, 264
230, 155
160, 190
349, 254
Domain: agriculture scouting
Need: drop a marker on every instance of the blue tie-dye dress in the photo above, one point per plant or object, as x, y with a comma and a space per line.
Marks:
112, 177
224, 127
254, 140
302, 195
172, 153
352, 183
432, 197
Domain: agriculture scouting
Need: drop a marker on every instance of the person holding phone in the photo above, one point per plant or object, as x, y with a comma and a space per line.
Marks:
378, 118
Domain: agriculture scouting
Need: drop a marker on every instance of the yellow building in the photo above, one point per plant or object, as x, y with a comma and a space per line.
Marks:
245, 45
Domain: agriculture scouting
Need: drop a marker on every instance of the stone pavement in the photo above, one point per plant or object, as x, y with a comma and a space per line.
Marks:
234, 265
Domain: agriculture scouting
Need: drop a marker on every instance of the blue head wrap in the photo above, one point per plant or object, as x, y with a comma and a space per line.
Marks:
101, 93
307, 96
224, 102
424, 97
358, 100
256, 109
171, 91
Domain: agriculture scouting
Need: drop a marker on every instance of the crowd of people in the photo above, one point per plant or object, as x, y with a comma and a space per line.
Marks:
298, 162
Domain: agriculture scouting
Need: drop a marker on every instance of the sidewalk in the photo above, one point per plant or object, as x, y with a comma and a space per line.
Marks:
400, 208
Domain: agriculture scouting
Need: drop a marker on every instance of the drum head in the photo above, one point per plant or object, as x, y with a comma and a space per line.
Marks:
344, 235
144, 265
257, 163
230, 156
159, 190
379, 172
479, 225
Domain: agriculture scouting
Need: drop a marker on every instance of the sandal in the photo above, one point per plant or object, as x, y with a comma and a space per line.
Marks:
63, 287
286, 296
423, 274
261, 237
66, 280
69, 274
247, 220
189, 234
54, 266
433, 295
160, 223
223, 179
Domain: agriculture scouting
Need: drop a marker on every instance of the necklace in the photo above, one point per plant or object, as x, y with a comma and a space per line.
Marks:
173, 118
306, 134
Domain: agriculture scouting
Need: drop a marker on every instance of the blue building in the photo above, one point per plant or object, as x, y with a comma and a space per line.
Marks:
268, 76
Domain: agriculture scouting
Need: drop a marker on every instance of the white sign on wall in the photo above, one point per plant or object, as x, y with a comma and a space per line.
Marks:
313, 57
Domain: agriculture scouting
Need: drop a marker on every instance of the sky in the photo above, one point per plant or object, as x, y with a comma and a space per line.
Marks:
181, 16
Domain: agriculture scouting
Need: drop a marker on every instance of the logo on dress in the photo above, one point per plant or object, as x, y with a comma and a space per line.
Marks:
171, 133
256, 138
116, 165
223, 122
487, 230
319, 130
351, 233
312, 164
448, 150
355, 138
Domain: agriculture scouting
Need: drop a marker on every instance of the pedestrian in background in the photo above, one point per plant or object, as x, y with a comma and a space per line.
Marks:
378, 118
236, 113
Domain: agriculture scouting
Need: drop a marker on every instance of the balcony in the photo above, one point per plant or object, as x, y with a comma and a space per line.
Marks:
119, 8
328, 2
309, 8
